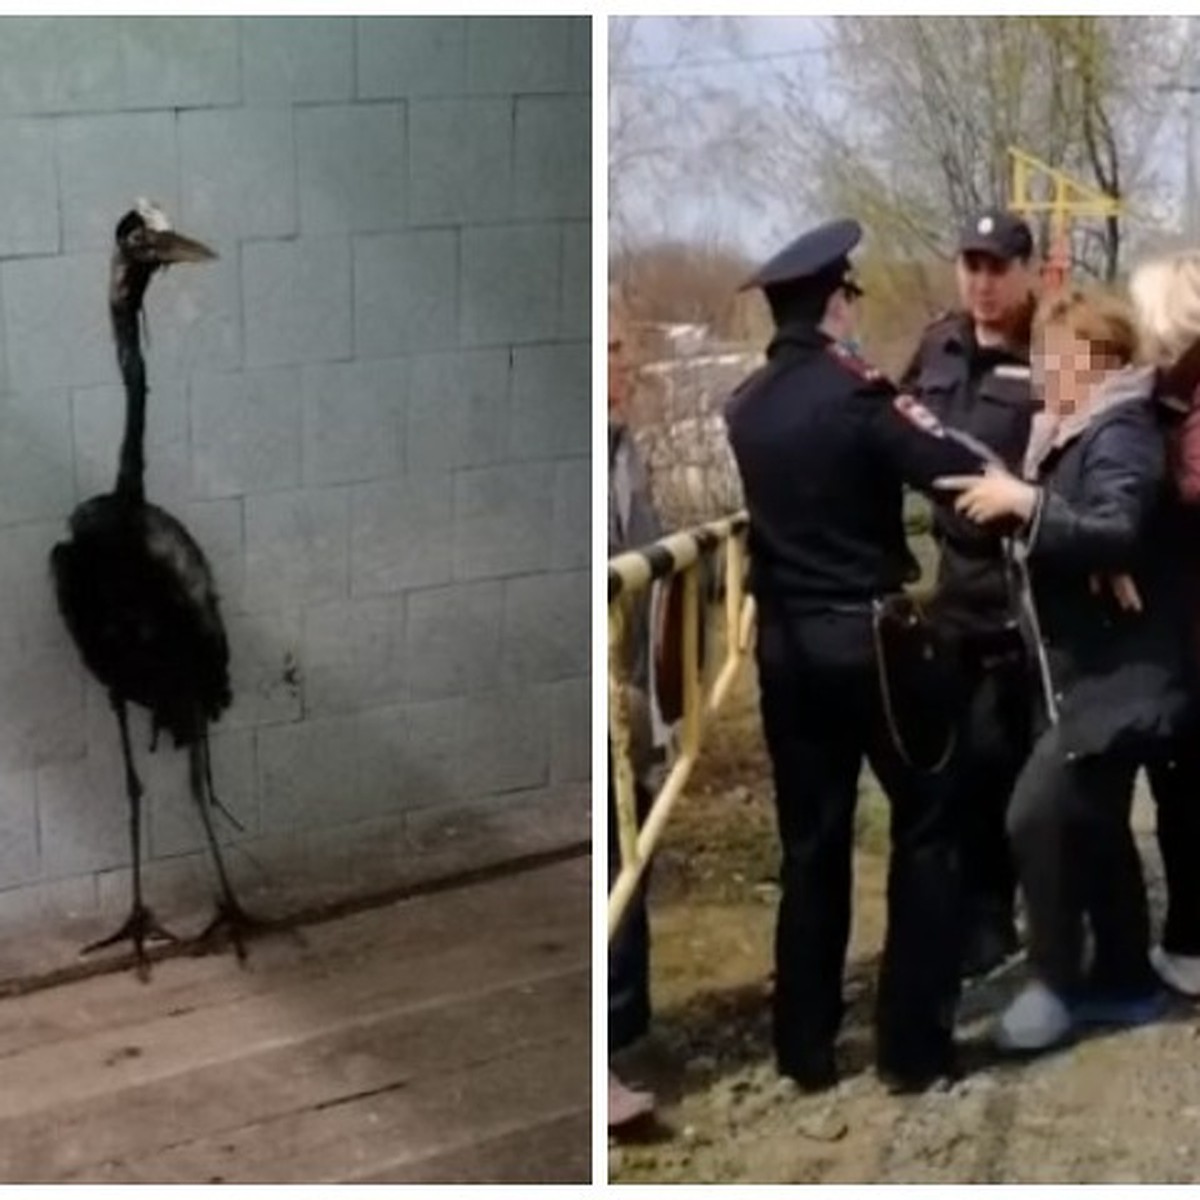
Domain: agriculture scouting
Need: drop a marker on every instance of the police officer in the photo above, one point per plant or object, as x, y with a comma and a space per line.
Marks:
824, 445
971, 369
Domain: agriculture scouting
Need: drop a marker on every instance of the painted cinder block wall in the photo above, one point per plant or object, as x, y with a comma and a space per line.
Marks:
372, 412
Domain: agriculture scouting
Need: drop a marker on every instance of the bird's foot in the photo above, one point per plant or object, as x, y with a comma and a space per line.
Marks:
233, 921
140, 927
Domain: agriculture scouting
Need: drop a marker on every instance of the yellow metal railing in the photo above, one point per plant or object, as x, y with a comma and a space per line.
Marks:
704, 685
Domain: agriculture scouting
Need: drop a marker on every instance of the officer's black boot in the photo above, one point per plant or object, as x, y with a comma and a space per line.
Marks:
810, 1070
905, 1079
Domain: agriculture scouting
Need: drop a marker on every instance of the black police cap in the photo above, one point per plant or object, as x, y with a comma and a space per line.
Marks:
997, 232
815, 254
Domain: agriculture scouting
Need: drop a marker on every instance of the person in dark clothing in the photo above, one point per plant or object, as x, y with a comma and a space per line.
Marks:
824, 446
972, 369
1166, 297
632, 522
1117, 679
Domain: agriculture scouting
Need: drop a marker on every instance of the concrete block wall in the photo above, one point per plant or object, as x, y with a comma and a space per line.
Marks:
372, 412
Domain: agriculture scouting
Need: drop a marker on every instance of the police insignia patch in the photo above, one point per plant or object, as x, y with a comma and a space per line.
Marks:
915, 413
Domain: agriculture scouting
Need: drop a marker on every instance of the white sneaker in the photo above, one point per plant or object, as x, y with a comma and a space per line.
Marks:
1037, 1019
1180, 972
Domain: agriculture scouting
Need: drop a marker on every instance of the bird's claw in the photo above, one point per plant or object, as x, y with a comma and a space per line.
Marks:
140, 927
234, 921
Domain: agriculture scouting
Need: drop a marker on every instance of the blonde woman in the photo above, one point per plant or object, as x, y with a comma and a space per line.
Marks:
1094, 506
1166, 297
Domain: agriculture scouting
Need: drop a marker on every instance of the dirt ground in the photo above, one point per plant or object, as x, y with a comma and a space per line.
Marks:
1116, 1107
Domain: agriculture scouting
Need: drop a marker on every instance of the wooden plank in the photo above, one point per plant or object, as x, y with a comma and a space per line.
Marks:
440, 1116
96, 1064
111, 1069
554, 1151
285, 963
387, 1052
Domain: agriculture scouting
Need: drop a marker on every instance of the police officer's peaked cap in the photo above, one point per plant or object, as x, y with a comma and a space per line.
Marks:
814, 254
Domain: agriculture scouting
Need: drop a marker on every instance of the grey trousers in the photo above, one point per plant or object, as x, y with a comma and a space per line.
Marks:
1076, 857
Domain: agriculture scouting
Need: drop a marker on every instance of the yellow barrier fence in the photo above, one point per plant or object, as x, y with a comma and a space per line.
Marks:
705, 685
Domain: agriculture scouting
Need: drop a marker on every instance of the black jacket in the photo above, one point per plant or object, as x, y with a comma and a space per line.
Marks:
824, 447
987, 393
1120, 678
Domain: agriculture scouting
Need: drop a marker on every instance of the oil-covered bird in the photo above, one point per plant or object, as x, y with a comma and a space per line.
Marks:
137, 593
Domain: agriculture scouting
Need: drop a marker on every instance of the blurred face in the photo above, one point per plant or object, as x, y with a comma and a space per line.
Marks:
993, 290
1067, 370
620, 372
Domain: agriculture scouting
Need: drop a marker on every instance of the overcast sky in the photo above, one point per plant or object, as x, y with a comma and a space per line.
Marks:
695, 56
668, 52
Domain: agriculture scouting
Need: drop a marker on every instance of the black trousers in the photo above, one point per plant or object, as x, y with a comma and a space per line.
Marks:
822, 713
1076, 857
993, 745
1175, 782
629, 949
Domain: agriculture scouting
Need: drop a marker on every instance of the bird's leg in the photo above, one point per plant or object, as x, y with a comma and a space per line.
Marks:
141, 923
230, 914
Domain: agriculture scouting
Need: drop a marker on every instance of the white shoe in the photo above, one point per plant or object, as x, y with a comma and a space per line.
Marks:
1180, 972
1037, 1019
625, 1104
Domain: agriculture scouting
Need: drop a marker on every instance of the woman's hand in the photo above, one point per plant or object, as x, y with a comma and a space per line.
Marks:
1123, 588
990, 496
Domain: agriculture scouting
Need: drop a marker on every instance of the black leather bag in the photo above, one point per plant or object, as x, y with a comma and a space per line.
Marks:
917, 681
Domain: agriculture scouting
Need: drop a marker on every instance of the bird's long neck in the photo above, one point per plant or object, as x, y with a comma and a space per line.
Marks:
129, 287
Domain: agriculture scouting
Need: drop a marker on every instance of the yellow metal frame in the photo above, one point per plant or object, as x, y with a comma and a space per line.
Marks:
1070, 198
633, 574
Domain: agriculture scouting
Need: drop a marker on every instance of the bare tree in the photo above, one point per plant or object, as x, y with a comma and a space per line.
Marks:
673, 127
920, 112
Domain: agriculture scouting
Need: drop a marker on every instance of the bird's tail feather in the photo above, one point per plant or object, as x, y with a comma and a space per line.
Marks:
204, 771
200, 773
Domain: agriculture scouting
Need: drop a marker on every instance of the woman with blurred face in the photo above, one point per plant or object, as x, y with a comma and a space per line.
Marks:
1096, 505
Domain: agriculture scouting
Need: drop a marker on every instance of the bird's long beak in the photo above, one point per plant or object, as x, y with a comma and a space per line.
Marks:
172, 247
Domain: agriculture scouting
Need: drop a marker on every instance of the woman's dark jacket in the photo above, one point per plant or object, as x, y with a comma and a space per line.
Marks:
1121, 679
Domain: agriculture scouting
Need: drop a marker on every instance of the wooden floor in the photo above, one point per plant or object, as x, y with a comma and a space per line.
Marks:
440, 1039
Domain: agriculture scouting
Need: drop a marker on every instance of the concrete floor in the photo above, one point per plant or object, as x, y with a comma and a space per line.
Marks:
444, 1038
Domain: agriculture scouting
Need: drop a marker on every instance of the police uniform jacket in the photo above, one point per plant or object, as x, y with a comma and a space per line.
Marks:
824, 445
986, 392
1106, 505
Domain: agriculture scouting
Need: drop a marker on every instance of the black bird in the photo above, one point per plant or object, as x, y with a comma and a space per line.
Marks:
137, 593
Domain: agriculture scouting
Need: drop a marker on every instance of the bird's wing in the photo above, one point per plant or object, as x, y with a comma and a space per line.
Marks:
183, 565
184, 576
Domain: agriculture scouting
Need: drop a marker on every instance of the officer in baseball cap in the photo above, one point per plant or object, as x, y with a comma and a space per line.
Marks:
824, 444
1001, 235
971, 368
